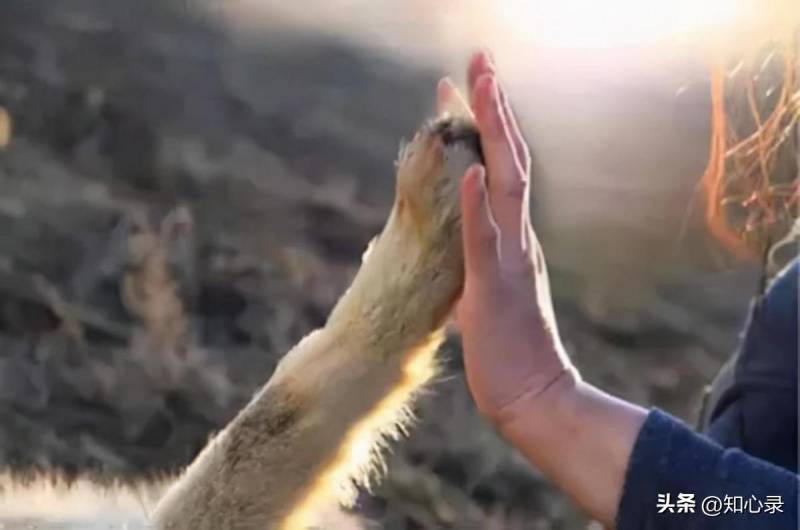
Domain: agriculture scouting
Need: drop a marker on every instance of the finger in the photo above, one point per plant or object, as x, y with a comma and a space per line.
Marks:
523, 156
507, 181
479, 231
480, 63
518, 141
449, 99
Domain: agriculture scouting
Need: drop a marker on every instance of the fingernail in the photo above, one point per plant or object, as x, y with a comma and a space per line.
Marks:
485, 103
483, 186
488, 57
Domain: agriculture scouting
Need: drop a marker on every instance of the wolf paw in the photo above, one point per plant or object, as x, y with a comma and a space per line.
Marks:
429, 171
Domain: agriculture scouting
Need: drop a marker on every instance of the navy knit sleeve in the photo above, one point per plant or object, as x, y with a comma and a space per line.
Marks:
682, 474
757, 412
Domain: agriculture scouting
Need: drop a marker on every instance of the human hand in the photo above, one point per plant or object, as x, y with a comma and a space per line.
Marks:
512, 350
516, 367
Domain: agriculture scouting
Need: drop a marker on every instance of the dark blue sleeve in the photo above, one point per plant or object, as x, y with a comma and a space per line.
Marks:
757, 412
669, 458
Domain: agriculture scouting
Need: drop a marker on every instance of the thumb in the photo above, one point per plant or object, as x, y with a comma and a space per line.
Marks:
479, 231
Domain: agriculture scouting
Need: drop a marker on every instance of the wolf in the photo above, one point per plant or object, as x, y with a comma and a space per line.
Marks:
317, 427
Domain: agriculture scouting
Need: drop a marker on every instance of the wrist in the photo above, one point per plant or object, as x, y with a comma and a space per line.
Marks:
540, 403
571, 427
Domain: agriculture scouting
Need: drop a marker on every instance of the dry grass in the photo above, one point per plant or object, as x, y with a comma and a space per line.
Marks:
751, 181
149, 290
5, 128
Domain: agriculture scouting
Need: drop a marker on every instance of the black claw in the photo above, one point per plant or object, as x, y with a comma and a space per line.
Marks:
459, 130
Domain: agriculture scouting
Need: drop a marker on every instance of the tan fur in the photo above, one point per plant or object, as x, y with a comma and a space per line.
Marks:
315, 424
320, 421
49, 503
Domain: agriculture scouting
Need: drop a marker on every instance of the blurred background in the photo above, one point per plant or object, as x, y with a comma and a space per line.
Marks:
187, 186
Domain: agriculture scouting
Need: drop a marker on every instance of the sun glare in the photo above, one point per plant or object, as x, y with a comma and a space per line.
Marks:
613, 23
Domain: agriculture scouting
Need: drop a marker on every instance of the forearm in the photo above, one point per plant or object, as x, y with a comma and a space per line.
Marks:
608, 455
302, 440
578, 436
318, 423
264, 459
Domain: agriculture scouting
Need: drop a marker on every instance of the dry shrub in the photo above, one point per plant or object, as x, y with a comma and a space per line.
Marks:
751, 180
